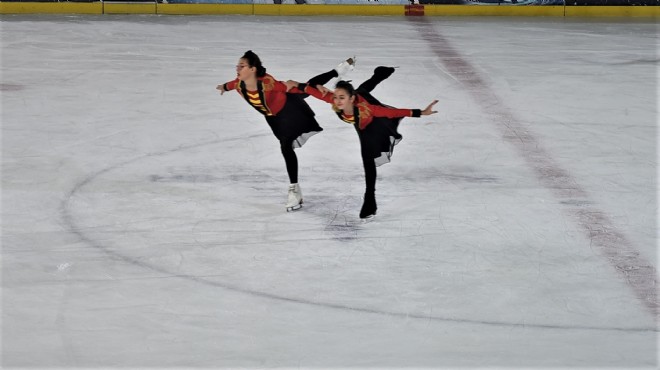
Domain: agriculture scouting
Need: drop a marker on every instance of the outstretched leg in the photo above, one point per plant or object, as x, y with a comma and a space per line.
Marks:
380, 74
323, 78
343, 68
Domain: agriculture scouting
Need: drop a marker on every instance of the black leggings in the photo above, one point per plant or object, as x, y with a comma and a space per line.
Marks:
290, 159
369, 173
286, 145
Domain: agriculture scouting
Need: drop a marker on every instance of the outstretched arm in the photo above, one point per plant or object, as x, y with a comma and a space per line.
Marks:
323, 90
381, 111
294, 87
231, 85
320, 92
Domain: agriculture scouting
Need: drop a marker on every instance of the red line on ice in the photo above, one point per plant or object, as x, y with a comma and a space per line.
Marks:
639, 273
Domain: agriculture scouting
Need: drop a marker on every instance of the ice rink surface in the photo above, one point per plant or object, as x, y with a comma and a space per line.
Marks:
143, 220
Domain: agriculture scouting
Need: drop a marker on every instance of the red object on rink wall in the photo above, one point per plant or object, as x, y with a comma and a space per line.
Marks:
414, 9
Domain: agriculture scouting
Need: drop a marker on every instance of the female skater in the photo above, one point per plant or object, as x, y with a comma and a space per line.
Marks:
288, 115
376, 124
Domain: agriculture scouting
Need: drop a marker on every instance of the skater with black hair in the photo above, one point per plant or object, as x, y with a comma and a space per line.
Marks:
288, 115
376, 124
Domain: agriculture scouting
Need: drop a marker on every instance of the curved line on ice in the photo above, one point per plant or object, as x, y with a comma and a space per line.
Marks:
70, 222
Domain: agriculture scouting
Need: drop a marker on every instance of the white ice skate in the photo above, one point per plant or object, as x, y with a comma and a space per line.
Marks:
344, 67
295, 199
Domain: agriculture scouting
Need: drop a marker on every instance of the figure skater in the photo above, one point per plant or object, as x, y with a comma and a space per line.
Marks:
288, 115
376, 124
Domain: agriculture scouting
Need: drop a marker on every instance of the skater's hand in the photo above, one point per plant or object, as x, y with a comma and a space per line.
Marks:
290, 84
221, 88
428, 110
324, 90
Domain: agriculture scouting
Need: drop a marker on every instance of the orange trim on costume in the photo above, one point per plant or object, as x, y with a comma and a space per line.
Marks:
348, 119
255, 100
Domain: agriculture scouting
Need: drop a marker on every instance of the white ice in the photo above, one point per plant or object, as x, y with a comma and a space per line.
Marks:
143, 220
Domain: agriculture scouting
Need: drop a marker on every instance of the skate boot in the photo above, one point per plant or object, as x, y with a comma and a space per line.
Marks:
344, 67
383, 72
369, 206
295, 199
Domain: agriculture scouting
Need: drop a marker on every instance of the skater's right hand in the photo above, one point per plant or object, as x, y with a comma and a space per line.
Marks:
221, 88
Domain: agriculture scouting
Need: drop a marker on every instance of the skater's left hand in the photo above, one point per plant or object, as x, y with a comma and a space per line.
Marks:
428, 110
324, 90
221, 88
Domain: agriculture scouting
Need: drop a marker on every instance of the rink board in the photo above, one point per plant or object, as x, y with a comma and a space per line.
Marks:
305, 10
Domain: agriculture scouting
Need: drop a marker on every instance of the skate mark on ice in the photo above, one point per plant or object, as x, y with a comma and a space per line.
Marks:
484, 179
640, 274
459, 174
186, 174
344, 232
341, 213
344, 229
200, 175
11, 87
183, 178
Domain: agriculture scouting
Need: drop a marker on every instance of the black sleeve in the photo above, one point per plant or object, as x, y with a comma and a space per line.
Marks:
416, 112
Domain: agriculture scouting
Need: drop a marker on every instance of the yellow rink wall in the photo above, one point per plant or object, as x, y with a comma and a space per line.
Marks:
308, 9
51, 8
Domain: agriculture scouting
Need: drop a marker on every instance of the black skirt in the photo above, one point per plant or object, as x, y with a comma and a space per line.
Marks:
378, 139
295, 123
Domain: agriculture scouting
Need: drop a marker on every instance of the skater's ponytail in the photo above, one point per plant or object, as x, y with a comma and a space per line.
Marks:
254, 61
346, 85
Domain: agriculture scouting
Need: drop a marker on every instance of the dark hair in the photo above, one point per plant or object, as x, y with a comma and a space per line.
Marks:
254, 61
346, 85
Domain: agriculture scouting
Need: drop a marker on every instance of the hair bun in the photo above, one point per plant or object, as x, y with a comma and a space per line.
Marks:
254, 61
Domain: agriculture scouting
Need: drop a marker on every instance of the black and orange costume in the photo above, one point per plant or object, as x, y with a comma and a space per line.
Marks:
272, 100
376, 125
288, 115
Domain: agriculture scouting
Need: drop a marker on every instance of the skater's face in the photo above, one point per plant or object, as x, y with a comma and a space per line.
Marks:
343, 100
244, 71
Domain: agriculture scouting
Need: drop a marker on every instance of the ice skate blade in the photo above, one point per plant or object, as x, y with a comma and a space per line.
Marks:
294, 208
368, 218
